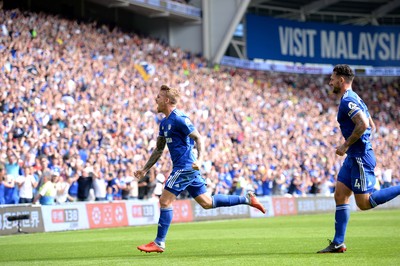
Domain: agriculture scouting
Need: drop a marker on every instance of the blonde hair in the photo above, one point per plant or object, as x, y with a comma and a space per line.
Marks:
172, 94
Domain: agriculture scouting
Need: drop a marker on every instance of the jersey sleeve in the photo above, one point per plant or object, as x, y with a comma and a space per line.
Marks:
350, 107
186, 125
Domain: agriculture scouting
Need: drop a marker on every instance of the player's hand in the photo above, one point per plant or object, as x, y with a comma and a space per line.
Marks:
341, 150
139, 174
196, 165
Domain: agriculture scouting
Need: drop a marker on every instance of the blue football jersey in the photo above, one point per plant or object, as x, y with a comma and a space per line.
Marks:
176, 129
350, 105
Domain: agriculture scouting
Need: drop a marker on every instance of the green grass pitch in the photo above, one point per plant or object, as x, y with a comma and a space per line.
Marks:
373, 238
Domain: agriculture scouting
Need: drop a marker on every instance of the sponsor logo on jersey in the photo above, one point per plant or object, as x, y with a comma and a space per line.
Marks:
353, 107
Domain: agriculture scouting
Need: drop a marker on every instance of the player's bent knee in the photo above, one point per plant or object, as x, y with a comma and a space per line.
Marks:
364, 206
362, 201
204, 201
206, 205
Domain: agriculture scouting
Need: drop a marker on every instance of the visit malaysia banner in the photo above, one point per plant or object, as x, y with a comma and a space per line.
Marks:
322, 43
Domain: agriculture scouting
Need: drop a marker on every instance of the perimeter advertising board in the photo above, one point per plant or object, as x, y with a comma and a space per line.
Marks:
234, 212
310, 205
284, 206
65, 217
142, 212
182, 211
31, 225
102, 215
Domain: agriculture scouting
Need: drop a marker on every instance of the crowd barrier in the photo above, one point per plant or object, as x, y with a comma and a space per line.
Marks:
90, 215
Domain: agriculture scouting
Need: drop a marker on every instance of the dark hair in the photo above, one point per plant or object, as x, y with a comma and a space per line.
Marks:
344, 71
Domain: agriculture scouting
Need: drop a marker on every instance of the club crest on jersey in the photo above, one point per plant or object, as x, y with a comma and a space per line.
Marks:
187, 121
168, 140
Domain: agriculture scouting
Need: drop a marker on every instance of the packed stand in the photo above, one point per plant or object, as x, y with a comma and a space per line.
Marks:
78, 117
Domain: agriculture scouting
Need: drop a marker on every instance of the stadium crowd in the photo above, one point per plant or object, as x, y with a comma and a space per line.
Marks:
78, 116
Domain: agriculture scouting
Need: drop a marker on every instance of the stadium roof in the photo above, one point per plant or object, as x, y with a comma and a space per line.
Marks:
169, 10
356, 12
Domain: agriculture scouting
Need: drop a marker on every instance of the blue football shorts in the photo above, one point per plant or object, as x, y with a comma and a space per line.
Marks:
357, 173
191, 180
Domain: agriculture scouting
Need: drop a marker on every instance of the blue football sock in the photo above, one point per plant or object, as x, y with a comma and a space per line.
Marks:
221, 200
384, 195
342, 217
163, 224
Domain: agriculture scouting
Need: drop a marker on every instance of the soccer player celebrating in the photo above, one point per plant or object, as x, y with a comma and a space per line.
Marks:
179, 134
357, 172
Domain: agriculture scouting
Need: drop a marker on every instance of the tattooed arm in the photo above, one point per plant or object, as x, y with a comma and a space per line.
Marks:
361, 124
195, 135
157, 152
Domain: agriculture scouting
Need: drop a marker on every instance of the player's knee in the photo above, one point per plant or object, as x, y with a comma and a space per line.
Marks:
206, 205
164, 204
340, 198
362, 201
364, 206
204, 201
